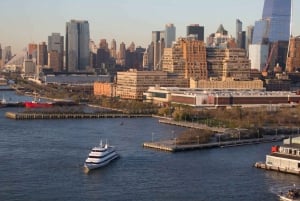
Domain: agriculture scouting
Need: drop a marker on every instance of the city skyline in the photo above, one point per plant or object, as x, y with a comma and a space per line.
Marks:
125, 21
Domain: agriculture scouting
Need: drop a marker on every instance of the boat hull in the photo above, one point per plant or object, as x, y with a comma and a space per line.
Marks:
37, 105
93, 165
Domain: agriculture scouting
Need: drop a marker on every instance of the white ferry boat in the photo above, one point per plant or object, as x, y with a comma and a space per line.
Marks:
100, 155
284, 158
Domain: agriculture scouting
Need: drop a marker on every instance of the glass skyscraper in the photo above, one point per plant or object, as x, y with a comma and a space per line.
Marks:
170, 35
275, 23
77, 45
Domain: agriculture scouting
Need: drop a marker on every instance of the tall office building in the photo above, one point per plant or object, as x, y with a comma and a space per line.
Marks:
32, 51
122, 54
238, 30
42, 54
113, 49
249, 36
241, 41
158, 39
1, 57
6, 54
170, 35
56, 51
56, 43
77, 45
275, 23
195, 29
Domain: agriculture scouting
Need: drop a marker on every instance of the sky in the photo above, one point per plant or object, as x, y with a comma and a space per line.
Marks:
127, 21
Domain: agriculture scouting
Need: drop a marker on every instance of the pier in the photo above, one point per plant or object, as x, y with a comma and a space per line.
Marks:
28, 116
192, 125
171, 146
265, 166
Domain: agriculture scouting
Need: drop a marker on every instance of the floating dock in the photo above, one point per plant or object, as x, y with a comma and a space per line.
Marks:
265, 166
171, 146
27, 116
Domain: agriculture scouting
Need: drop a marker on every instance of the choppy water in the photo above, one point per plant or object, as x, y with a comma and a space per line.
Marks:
43, 160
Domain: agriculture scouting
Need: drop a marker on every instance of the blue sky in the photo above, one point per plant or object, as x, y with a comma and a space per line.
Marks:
28, 21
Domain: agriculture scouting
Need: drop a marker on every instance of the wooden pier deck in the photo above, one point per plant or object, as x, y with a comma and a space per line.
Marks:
27, 116
171, 146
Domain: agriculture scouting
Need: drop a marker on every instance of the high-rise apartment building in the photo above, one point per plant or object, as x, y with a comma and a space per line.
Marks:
170, 35
56, 44
195, 29
77, 45
275, 23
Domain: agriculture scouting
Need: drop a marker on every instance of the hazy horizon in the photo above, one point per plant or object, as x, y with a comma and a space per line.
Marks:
127, 21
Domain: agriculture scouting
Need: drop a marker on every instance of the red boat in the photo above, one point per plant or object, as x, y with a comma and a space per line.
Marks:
35, 104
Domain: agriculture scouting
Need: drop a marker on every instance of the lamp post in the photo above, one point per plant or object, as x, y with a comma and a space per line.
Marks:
239, 133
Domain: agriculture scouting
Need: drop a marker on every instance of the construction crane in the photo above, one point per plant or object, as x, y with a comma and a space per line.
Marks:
267, 66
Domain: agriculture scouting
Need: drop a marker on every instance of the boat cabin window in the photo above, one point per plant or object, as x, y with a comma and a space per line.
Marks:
298, 165
98, 150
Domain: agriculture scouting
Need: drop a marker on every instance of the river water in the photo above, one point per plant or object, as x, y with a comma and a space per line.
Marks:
43, 160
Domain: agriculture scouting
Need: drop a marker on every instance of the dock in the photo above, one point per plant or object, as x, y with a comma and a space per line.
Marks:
31, 116
171, 146
265, 166
191, 125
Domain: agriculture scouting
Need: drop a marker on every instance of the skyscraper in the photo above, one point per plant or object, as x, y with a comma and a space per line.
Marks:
0, 56
170, 35
195, 29
42, 54
238, 30
275, 23
113, 49
77, 45
56, 44
249, 36
0, 52
158, 39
